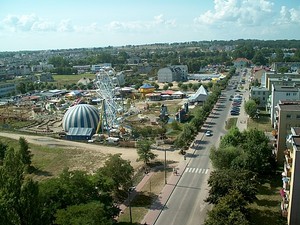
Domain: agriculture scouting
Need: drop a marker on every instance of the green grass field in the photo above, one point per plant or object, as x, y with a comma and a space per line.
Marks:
71, 79
262, 123
266, 209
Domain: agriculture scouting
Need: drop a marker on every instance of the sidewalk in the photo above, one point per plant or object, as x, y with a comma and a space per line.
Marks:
243, 117
157, 206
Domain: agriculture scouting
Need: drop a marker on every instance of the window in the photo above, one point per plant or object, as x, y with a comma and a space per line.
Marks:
298, 116
288, 116
288, 94
263, 98
294, 94
264, 93
253, 92
258, 93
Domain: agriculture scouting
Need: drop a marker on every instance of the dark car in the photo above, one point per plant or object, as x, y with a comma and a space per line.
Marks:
235, 109
234, 113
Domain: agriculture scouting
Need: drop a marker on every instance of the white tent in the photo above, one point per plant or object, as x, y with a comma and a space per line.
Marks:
200, 96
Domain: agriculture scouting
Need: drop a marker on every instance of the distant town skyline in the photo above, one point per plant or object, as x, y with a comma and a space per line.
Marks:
54, 24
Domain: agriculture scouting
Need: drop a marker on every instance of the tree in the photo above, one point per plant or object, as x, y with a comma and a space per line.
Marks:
3, 149
25, 153
221, 182
224, 158
259, 157
259, 58
18, 196
30, 209
251, 108
93, 213
232, 138
175, 125
144, 151
21, 87
229, 211
75, 188
166, 87
170, 84
119, 170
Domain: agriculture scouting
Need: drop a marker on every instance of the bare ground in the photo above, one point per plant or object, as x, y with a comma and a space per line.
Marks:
77, 155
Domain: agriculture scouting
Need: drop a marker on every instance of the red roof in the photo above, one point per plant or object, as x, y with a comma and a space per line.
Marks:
167, 92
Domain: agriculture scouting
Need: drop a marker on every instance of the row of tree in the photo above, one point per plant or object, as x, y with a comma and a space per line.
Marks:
242, 158
200, 114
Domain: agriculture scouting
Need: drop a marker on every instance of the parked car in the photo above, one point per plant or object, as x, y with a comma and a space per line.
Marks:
208, 133
234, 113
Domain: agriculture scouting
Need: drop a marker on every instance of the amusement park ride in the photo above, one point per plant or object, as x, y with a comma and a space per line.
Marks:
111, 107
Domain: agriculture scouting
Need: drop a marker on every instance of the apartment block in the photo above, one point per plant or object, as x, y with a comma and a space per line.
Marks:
290, 191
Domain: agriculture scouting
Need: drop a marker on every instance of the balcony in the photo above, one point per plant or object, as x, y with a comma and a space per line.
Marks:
284, 203
287, 169
286, 183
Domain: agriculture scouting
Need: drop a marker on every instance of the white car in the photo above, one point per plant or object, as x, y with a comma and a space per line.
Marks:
208, 133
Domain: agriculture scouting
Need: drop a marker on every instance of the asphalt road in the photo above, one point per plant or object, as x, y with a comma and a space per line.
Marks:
186, 204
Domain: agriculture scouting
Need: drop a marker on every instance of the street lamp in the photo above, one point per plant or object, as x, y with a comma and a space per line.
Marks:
165, 165
129, 202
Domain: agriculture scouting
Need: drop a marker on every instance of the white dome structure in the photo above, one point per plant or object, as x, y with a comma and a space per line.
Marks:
81, 116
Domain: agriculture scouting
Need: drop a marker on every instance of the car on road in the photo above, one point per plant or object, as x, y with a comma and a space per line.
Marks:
208, 133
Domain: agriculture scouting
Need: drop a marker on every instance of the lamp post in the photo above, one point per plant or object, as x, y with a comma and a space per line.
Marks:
129, 203
165, 165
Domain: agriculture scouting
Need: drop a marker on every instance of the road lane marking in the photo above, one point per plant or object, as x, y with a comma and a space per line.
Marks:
196, 170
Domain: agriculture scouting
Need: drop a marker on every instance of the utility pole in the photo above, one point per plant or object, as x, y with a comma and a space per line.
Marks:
165, 165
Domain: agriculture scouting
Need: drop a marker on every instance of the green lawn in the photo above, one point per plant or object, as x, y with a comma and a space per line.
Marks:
231, 122
71, 79
266, 209
50, 161
262, 123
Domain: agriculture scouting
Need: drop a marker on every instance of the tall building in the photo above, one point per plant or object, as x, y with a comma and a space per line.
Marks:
287, 115
290, 191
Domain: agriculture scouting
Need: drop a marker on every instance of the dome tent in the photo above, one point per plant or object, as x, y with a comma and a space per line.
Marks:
84, 118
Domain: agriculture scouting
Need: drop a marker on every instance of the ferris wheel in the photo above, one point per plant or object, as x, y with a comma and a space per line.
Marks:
110, 108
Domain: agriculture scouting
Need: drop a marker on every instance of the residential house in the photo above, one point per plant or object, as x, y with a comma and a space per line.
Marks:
292, 66
241, 62
260, 93
96, 68
172, 73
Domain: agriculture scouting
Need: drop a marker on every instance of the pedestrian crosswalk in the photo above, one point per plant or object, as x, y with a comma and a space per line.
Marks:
196, 170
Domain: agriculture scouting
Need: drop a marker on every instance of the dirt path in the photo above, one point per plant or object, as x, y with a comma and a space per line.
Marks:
127, 153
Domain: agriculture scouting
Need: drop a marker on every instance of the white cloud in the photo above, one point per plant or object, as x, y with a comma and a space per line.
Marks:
288, 16
158, 21
245, 12
24, 23
65, 26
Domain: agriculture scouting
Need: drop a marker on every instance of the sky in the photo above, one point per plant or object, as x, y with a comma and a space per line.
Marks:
64, 24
